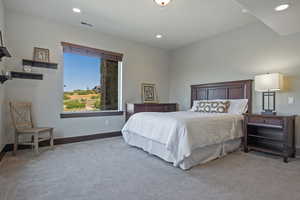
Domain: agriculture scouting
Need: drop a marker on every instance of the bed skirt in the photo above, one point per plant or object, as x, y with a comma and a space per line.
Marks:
199, 156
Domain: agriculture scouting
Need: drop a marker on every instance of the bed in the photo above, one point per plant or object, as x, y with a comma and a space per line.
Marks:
188, 138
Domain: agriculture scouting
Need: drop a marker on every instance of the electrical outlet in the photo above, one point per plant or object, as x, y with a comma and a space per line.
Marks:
106, 122
291, 100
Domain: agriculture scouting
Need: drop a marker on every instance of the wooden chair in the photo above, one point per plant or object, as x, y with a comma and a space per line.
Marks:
21, 115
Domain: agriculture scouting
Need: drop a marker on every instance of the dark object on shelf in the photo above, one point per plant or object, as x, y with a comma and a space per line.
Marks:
132, 108
40, 64
3, 78
25, 75
270, 134
4, 53
3, 50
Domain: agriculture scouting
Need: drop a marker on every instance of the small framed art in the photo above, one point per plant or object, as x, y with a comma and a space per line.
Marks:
41, 55
149, 93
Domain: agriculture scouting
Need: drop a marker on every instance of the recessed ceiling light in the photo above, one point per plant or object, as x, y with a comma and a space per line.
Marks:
158, 36
76, 10
162, 2
282, 7
245, 10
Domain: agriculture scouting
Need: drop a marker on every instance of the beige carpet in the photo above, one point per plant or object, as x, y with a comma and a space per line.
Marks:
110, 170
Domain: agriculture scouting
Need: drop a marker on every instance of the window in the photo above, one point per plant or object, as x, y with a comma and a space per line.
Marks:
91, 79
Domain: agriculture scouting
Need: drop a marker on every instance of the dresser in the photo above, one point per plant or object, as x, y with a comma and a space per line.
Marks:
273, 134
132, 108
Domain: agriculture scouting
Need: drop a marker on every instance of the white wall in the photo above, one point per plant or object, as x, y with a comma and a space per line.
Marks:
2, 87
141, 64
238, 55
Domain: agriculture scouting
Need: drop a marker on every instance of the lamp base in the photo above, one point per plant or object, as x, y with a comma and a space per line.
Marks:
268, 112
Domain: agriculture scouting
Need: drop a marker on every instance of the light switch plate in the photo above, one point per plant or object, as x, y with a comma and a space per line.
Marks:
291, 100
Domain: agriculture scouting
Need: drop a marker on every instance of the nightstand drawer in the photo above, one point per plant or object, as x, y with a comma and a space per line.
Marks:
274, 121
257, 120
265, 120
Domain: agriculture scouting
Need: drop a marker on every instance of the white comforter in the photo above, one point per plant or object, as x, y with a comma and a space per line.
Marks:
183, 132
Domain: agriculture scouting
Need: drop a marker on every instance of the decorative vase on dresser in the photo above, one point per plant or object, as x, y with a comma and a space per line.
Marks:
132, 108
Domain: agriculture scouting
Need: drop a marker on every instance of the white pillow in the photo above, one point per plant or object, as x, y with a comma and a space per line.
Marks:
237, 106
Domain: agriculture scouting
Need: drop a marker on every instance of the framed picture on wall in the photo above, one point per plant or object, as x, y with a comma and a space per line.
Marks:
41, 54
149, 93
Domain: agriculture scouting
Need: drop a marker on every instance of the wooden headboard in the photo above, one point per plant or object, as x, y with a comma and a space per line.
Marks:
224, 90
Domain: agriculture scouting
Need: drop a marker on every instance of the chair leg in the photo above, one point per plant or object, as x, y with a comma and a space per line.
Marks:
51, 139
36, 143
16, 144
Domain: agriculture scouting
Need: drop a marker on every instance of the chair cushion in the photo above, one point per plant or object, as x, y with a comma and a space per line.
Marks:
35, 130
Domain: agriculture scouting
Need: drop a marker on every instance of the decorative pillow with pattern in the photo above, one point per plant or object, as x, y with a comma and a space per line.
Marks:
213, 106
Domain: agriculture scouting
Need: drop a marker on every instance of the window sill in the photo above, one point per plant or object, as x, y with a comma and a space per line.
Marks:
90, 114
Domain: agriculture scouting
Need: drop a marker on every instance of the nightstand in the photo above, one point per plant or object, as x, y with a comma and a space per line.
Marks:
273, 134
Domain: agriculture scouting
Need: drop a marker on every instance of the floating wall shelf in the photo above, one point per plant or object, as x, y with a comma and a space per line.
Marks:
40, 64
26, 75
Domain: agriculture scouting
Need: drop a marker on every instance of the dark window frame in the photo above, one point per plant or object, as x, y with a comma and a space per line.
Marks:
91, 114
88, 51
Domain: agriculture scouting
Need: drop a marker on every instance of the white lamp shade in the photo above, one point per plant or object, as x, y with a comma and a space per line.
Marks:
268, 82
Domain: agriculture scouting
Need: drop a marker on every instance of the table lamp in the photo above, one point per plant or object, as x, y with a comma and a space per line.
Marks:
268, 84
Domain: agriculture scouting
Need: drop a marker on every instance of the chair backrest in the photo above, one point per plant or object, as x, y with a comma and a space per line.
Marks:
21, 115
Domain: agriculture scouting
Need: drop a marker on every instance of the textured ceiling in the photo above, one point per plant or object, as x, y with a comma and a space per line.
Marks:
182, 22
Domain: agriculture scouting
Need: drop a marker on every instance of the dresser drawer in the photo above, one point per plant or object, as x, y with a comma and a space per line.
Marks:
154, 108
169, 108
265, 120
